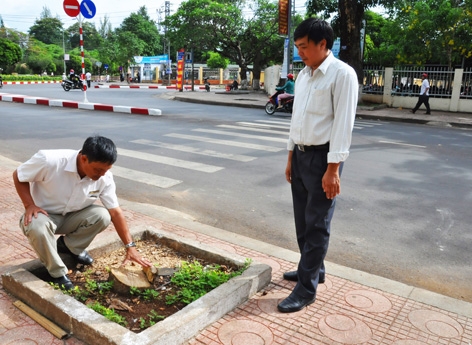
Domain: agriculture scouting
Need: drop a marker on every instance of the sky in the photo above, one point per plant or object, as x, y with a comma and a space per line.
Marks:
21, 14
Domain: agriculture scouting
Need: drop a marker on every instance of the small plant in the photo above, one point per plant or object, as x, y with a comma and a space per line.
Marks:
194, 280
153, 316
147, 295
109, 313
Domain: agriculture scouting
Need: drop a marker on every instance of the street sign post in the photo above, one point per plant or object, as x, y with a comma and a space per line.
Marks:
71, 7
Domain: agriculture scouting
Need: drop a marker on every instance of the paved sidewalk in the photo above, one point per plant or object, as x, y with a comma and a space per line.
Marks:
352, 307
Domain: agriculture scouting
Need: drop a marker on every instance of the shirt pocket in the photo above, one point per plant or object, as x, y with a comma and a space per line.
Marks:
320, 102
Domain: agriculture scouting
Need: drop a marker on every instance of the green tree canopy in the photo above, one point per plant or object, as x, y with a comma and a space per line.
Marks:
92, 38
222, 27
10, 53
144, 30
47, 29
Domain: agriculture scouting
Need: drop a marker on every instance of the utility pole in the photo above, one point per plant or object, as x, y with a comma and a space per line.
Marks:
166, 39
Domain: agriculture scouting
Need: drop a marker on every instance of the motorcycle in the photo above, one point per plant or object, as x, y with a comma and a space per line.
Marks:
272, 105
68, 85
207, 85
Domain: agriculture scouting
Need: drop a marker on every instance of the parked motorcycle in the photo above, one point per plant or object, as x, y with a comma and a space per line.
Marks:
207, 85
68, 85
272, 105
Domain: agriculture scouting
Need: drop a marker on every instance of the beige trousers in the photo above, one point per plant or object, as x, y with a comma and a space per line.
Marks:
79, 228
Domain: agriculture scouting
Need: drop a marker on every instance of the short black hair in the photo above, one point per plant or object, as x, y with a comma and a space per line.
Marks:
99, 149
316, 29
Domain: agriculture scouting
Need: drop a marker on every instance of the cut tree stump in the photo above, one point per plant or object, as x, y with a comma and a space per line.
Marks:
126, 277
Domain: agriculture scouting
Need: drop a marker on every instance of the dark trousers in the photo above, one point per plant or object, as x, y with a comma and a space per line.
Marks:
313, 213
422, 99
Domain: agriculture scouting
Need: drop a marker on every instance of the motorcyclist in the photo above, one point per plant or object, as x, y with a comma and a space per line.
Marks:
1, 81
288, 88
73, 77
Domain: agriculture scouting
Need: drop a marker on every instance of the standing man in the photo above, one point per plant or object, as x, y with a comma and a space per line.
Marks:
424, 95
326, 92
88, 77
58, 189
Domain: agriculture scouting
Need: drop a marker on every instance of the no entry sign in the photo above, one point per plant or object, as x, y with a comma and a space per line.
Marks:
72, 8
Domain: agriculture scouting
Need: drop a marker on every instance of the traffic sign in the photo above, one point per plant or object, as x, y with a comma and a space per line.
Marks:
88, 9
71, 7
105, 66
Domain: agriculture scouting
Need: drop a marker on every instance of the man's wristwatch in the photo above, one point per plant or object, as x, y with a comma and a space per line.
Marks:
129, 245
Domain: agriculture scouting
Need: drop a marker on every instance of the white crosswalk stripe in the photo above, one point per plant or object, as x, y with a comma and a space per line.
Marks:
225, 142
169, 161
241, 133
195, 150
142, 177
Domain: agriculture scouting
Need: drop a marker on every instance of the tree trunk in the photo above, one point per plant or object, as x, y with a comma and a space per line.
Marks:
350, 19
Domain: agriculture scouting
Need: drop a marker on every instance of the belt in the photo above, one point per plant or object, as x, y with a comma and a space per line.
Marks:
304, 148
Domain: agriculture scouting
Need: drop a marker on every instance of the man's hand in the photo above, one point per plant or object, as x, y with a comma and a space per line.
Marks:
288, 168
32, 211
132, 255
331, 182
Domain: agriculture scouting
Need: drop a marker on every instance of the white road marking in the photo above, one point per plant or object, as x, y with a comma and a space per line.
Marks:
402, 144
225, 142
260, 130
252, 124
169, 161
241, 135
195, 150
142, 177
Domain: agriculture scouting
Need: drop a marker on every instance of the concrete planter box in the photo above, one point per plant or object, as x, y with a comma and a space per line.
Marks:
92, 328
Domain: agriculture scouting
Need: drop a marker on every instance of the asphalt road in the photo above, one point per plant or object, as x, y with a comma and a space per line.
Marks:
404, 208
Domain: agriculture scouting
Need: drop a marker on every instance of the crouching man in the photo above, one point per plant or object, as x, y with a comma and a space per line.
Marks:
58, 189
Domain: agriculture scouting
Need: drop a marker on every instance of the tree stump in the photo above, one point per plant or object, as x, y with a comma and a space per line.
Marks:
126, 277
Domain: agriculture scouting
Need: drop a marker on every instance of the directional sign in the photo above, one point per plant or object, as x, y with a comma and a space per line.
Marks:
71, 7
88, 9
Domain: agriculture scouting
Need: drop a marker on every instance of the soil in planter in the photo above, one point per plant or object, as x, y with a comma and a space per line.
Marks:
137, 310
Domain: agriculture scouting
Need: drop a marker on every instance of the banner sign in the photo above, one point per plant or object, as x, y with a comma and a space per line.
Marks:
284, 11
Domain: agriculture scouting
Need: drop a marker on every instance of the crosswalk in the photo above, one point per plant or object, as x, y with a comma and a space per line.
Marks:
257, 136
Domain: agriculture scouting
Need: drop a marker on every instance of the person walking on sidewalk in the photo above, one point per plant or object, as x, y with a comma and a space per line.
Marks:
324, 110
88, 77
424, 95
58, 189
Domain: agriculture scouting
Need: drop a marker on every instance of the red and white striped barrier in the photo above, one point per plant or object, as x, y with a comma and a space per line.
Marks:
32, 82
115, 86
6, 97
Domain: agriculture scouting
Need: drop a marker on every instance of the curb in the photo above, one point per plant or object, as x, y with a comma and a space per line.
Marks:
115, 86
78, 105
32, 82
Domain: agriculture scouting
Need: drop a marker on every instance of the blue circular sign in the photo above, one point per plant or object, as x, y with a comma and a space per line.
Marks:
88, 9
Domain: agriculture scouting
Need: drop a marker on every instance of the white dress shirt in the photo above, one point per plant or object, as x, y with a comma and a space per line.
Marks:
56, 186
324, 109
424, 87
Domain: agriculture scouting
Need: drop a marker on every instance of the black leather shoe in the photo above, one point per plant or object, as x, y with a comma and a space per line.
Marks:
63, 282
412, 111
83, 258
294, 303
293, 276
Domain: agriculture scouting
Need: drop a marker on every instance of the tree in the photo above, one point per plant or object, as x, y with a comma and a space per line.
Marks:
92, 38
47, 29
221, 26
10, 53
38, 58
432, 31
349, 24
215, 60
144, 30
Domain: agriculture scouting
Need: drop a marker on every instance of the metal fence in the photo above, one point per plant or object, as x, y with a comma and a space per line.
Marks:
466, 87
407, 81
